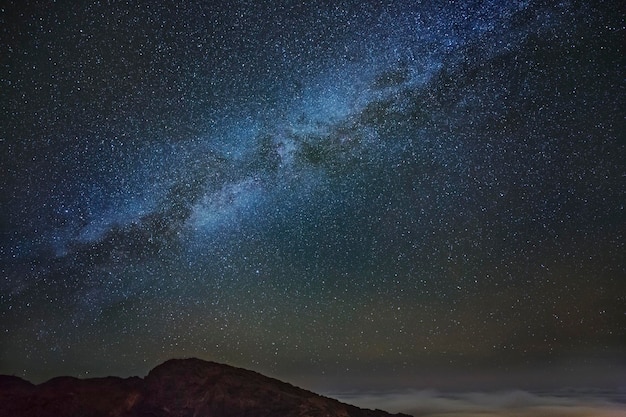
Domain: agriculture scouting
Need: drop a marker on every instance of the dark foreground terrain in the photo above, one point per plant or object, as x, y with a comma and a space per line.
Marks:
178, 387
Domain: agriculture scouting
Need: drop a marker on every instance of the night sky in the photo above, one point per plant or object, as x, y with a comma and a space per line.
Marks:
336, 193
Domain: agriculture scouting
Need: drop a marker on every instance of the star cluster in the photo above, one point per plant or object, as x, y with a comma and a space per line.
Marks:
304, 189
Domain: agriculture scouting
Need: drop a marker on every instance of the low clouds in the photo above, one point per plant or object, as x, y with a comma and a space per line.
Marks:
501, 404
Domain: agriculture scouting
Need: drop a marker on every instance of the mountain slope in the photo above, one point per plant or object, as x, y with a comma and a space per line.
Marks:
176, 388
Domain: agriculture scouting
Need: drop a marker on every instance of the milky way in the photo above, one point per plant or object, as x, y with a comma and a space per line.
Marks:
335, 190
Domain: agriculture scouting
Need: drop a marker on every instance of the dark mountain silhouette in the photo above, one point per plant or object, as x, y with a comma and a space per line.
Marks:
176, 388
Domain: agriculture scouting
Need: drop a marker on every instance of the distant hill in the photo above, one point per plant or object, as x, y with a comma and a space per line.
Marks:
176, 388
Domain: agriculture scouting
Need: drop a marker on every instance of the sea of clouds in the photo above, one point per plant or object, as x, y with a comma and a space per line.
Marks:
502, 404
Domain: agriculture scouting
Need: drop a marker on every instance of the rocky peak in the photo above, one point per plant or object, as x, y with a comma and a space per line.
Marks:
176, 388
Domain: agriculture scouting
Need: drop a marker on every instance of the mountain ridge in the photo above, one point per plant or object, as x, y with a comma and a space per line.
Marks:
188, 387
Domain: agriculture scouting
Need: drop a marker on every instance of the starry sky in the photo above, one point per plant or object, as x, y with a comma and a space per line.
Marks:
335, 193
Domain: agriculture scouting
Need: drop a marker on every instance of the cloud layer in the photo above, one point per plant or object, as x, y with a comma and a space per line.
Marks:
502, 404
